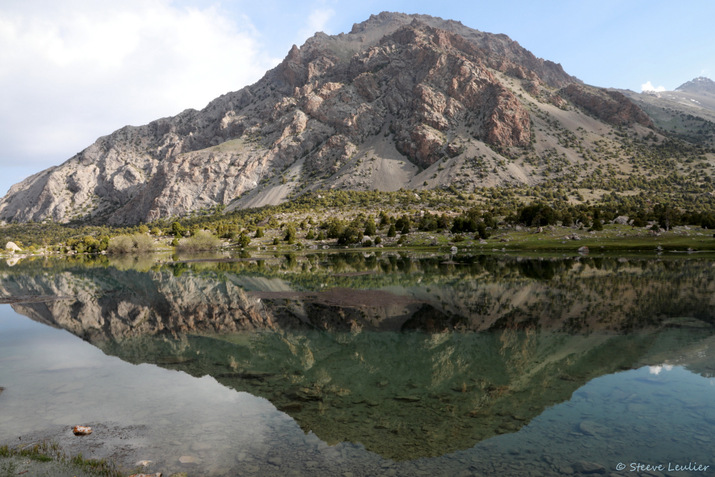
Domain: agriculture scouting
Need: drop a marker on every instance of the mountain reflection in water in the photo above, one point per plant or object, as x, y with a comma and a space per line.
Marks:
411, 357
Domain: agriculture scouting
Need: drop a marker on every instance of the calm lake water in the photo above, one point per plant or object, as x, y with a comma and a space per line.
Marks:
364, 364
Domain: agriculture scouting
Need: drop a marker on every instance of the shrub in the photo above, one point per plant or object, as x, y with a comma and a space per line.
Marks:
201, 240
177, 229
243, 240
137, 243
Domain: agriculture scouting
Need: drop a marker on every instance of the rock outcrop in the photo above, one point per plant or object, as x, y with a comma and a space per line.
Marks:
612, 107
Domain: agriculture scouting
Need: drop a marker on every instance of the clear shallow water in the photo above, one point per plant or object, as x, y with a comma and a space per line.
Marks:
270, 392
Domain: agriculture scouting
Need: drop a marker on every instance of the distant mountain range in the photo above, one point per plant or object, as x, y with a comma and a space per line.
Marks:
688, 112
402, 101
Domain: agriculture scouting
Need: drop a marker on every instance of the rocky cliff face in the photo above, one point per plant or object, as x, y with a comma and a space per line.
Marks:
376, 108
612, 107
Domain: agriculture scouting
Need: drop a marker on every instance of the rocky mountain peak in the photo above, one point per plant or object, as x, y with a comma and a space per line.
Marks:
388, 105
699, 85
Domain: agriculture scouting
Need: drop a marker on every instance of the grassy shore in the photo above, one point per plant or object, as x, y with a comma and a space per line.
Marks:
613, 238
47, 460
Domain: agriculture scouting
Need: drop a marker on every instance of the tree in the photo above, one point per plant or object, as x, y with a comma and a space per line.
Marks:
537, 215
403, 223
350, 235
243, 240
370, 227
482, 232
177, 229
290, 235
335, 228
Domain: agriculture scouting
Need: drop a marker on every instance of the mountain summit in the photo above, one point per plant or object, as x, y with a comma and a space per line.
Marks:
699, 85
402, 101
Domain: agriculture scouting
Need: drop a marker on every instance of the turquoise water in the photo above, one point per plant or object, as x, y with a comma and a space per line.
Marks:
421, 368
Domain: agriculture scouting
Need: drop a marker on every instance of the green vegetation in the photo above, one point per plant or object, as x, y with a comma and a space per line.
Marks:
135, 243
431, 218
201, 240
49, 454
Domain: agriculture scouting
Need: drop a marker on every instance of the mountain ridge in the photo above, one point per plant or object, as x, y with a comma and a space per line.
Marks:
701, 84
402, 101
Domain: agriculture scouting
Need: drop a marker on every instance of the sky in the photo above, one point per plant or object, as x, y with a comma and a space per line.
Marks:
74, 70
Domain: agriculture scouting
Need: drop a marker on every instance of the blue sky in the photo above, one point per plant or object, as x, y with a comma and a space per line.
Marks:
73, 70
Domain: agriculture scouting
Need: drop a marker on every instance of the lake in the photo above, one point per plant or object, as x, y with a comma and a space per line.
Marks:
351, 364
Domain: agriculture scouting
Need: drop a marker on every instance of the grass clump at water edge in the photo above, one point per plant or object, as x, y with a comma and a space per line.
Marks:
46, 458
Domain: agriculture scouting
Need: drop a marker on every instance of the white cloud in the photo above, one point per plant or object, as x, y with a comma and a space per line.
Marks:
648, 86
658, 369
73, 70
317, 21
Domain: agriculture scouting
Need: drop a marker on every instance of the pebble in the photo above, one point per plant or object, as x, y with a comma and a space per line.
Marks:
82, 430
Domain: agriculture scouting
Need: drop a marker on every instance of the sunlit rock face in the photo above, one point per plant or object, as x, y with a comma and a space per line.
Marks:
370, 109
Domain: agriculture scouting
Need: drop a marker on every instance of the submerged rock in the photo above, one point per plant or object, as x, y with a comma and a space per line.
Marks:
588, 468
188, 460
82, 430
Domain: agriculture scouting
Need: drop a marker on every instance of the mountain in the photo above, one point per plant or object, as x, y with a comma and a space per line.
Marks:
688, 112
700, 85
402, 101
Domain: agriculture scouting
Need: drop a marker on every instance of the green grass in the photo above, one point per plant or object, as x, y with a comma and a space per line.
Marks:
49, 452
614, 238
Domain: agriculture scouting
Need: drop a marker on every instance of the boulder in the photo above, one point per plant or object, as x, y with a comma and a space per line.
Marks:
12, 247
